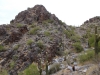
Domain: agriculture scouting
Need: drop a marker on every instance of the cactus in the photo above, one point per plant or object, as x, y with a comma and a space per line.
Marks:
47, 68
40, 67
47, 73
97, 38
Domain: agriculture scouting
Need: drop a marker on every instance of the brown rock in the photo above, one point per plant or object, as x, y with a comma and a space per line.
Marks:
2, 31
36, 14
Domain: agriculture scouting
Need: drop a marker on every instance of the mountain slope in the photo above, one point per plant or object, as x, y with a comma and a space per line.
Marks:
29, 36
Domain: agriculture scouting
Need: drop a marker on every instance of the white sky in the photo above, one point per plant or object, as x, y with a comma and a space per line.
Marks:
72, 12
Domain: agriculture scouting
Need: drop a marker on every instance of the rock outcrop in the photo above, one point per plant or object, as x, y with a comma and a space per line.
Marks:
93, 20
16, 35
36, 14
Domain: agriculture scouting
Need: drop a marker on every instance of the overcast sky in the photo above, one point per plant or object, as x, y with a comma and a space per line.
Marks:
72, 12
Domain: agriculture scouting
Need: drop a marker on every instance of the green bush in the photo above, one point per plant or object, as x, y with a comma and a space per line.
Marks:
62, 23
75, 38
91, 41
72, 27
34, 30
40, 44
47, 33
69, 33
54, 68
31, 70
12, 64
33, 25
29, 42
86, 56
78, 47
19, 25
15, 57
16, 47
3, 72
2, 48
47, 21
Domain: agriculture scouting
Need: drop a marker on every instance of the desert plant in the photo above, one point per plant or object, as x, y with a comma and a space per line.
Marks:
75, 38
40, 44
12, 64
15, 57
19, 25
78, 47
91, 40
54, 68
31, 70
33, 25
16, 47
89, 55
46, 33
97, 39
34, 30
45, 22
29, 42
3, 72
69, 33
2, 48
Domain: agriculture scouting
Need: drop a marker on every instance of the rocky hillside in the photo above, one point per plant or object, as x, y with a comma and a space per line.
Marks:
36, 35
29, 36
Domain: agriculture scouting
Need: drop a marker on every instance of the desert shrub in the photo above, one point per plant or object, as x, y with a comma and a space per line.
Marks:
54, 68
34, 30
47, 33
59, 53
16, 47
15, 57
62, 23
45, 23
12, 64
49, 21
82, 28
2, 48
91, 41
72, 27
87, 35
51, 38
69, 33
31, 70
75, 38
86, 56
33, 25
29, 42
19, 25
40, 44
99, 46
78, 47
3, 72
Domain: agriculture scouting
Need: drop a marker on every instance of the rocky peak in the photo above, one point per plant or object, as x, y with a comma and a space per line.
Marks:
36, 14
95, 19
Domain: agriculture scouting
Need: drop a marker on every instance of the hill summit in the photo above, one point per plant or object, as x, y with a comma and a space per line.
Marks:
36, 14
